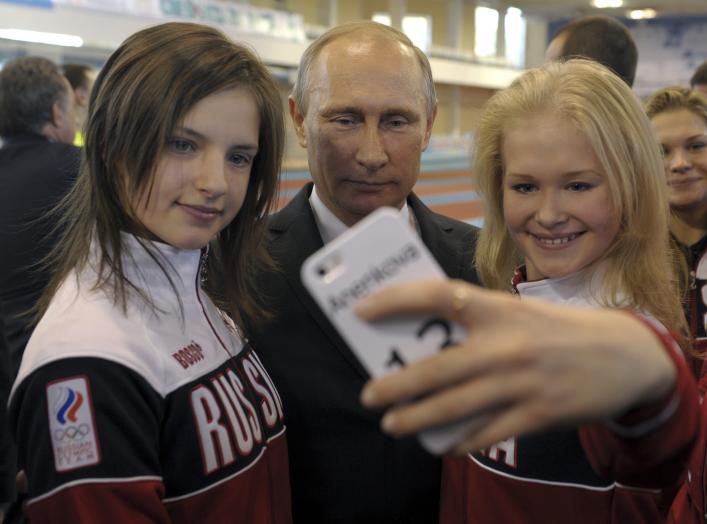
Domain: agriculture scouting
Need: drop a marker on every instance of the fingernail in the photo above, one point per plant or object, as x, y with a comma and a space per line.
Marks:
389, 423
361, 307
368, 396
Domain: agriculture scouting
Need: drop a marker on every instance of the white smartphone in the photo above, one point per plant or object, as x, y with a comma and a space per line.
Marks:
380, 250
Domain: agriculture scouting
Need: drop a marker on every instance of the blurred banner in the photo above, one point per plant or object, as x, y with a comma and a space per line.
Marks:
230, 16
31, 3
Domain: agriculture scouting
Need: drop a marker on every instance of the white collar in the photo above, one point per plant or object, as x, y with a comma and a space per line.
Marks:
329, 224
183, 263
570, 290
581, 289
171, 269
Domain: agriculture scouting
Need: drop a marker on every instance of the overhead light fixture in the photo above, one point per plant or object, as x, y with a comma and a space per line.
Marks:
40, 37
642, 14
603, 4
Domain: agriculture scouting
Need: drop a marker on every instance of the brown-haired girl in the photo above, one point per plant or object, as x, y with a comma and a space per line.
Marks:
138, 398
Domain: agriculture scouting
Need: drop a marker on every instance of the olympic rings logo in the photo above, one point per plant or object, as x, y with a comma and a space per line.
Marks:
71, 433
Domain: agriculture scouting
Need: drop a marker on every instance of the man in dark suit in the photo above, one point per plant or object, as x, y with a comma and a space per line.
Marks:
38, 165
363, 107
8, 467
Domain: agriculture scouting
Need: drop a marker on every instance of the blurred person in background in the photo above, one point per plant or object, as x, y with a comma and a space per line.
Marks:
8, 464
38, 166
679, 118
81, 77
599, 38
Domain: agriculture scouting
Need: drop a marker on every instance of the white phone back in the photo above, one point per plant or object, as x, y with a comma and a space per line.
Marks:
382, 249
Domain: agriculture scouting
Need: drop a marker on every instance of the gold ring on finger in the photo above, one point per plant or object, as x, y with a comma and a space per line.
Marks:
460, 298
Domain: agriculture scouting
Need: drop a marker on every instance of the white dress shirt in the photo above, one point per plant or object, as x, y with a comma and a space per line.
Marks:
331, 227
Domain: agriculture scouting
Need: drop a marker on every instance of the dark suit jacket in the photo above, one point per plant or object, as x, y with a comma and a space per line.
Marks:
342, 467
34, 175
8, 466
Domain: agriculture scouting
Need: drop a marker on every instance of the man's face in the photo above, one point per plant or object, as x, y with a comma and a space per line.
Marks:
82, 95
365, 127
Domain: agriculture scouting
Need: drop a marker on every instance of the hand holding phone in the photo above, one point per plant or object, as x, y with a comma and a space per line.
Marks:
382, 249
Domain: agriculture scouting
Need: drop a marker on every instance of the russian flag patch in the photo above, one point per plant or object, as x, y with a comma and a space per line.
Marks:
72, 424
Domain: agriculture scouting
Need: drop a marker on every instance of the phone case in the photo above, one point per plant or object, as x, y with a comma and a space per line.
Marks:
382, 249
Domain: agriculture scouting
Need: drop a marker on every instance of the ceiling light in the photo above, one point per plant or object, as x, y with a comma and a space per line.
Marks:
602, 4
641, 14
41, 37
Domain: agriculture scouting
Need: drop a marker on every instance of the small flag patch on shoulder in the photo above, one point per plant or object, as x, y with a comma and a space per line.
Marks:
71, 423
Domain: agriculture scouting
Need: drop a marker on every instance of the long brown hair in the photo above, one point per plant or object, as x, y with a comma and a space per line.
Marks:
144, 90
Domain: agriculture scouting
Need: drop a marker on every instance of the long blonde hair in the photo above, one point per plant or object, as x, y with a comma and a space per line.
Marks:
639, 270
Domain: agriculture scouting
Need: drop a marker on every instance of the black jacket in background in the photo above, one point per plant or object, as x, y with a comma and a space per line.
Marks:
8, 466
34, 175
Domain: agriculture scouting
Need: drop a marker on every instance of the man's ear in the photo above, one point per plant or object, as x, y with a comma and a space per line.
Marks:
298, 122
429, 125
57, 113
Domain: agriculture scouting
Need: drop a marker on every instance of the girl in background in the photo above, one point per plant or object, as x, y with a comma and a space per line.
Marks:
590, 407
138, 399
679, 118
